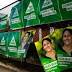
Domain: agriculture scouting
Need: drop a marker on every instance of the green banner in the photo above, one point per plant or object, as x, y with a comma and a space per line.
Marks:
3, 43
49, 11
47, 53
26, 40
65, 7
25, 4
3, 21
21, 52
62, 39
45, 11
13, 41
31, 12
16, 17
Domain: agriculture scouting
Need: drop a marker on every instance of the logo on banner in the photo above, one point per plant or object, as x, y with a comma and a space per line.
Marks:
30, 12
48, 11
15, 13
2, 41
30, 8
13, 42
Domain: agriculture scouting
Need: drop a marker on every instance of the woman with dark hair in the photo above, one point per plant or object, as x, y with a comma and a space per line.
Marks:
48, 56
64, 52
67, 41
48, 48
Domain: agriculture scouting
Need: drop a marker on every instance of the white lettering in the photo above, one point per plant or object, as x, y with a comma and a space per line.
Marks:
48, 12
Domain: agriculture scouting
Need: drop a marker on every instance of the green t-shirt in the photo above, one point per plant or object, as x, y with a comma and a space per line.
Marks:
49, 65
64, 59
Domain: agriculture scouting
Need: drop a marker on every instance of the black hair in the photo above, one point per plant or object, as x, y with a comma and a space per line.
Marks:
28, 33
47, 40
42, 51
69, 30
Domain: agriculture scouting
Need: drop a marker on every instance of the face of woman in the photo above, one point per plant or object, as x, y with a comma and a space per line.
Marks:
47, 46
26, 37
67, 38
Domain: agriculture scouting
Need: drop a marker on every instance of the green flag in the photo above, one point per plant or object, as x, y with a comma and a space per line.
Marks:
65, 7
31, 12
16, 17
3, 44
13, 41
49, 11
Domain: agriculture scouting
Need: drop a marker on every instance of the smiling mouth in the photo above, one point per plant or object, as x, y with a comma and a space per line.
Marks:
67, 40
